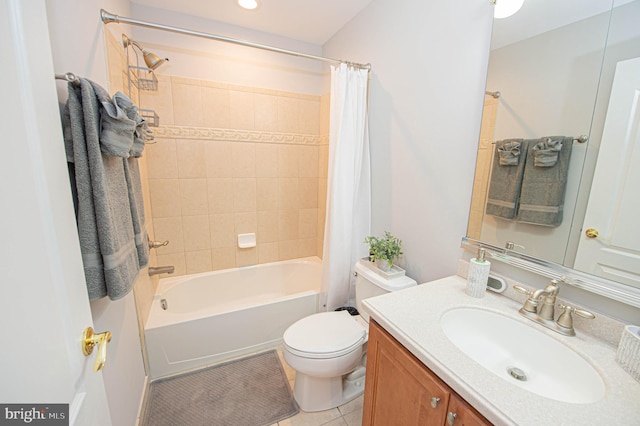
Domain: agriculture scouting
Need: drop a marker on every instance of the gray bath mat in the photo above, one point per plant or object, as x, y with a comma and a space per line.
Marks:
252, 391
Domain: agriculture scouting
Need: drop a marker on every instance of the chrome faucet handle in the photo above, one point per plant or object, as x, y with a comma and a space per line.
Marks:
531, 305
522, 290
565, 319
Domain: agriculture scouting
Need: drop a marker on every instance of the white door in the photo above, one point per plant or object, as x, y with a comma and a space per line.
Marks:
614, 202
43, 304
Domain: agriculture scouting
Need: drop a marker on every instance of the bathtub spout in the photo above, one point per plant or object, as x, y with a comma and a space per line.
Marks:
157, 270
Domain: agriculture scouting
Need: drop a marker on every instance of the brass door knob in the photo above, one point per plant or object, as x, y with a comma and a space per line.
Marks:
90, 340
591, 233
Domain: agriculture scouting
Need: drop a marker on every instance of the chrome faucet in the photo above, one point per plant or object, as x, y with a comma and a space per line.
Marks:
157, 270
547, 310
545, 313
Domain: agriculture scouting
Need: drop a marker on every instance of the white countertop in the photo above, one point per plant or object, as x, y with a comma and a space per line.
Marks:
412, 316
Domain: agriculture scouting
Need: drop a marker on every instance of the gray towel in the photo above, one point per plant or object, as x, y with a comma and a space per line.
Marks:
506, 178
123, 134
123, 131
545, 180
103, 186
134, 186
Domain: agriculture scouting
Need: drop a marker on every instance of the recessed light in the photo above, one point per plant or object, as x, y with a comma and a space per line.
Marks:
248, 4
506, 8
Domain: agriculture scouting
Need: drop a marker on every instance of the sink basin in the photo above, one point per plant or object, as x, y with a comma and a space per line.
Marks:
523, 355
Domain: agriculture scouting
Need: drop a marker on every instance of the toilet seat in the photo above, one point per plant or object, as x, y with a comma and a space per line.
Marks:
324, 335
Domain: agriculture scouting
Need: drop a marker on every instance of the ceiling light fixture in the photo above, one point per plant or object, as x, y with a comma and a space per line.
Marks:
248, 4
506, 8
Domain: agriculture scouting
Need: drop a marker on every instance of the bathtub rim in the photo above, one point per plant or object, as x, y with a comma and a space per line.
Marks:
158, 318
165, 284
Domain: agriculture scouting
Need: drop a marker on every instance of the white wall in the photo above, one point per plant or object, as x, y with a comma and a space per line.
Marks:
77, 43
429, 64
207, 59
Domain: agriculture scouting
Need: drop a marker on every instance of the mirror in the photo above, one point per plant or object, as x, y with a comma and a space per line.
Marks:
553, 64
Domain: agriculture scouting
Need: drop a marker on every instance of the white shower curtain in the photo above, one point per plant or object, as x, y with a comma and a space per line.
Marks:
348, 218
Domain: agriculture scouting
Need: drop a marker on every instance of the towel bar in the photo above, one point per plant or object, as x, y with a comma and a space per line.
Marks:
579, 139
69, 76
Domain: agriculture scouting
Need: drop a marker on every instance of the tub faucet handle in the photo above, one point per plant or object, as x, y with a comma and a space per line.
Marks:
155, 244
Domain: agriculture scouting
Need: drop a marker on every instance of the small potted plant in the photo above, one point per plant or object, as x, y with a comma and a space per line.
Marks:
384, 250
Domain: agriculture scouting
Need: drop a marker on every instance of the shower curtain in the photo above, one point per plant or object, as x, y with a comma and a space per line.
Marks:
348, 216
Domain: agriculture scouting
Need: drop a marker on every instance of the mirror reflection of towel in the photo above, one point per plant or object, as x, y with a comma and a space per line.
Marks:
545, 153
506, 178
509, 153
544, 181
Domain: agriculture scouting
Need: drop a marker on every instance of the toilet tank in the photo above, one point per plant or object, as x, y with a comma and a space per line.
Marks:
370, 284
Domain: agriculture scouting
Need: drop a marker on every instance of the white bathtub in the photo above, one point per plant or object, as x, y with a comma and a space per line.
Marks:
216, 316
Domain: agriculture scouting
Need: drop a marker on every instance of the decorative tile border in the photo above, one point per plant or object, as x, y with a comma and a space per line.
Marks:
217, 134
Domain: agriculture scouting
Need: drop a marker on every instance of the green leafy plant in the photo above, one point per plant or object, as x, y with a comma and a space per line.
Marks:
386, 249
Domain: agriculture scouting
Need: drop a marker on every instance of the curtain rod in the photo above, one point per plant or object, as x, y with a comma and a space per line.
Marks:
109, 18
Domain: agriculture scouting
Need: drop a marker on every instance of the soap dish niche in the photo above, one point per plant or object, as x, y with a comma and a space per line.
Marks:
246, 240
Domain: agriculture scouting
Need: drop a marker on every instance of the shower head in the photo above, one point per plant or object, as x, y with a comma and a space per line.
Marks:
152, 60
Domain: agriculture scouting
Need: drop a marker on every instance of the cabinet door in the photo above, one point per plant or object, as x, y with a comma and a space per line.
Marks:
399, 390
460, 413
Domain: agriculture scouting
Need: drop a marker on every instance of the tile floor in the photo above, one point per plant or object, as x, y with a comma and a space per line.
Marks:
349, 414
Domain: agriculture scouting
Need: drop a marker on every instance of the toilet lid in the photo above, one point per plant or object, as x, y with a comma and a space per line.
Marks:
327, 333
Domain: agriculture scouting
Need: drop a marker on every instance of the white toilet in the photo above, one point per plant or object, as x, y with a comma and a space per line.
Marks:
328, 350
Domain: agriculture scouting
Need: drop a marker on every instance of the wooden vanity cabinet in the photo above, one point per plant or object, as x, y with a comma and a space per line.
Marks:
464, 413
400, 390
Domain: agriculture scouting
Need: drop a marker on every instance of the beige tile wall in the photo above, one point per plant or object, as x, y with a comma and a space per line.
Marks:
204, 191
483, 167
323, 169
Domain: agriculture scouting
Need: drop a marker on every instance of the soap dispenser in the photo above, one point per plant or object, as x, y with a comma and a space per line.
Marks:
478, 275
